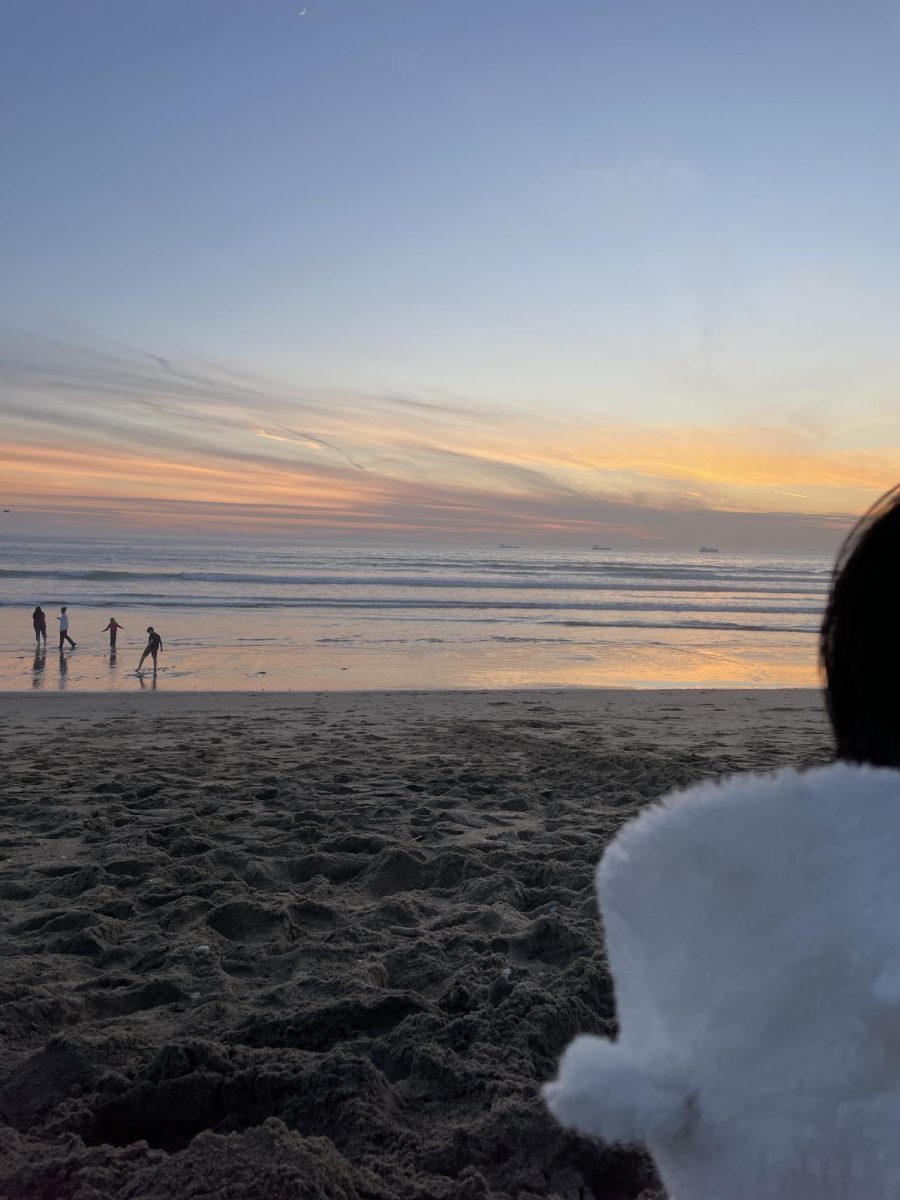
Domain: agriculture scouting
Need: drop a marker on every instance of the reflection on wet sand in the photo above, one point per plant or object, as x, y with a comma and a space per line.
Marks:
37, 668
152, 682
63, 669
220, 661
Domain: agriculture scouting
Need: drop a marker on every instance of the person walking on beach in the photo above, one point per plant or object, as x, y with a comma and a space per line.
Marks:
154, 645
63, 619
113, 628
39, 621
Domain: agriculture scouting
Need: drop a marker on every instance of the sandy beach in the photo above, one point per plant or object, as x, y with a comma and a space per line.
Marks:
325, 945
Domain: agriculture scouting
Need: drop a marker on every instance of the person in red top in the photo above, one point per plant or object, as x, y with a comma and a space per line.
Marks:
113, 628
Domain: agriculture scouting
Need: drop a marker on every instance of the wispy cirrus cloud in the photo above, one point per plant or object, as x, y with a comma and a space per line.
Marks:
296, 438
209, 445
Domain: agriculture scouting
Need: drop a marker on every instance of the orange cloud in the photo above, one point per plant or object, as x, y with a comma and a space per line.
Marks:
32, 471
135, 431
733, 465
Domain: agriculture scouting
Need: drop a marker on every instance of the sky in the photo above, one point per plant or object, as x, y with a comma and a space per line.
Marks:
370, 270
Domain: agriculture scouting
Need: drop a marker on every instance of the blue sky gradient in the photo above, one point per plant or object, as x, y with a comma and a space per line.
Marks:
644, 220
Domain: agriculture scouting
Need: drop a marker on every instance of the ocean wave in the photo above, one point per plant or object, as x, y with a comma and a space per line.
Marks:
713, 587
657, 580
428, 604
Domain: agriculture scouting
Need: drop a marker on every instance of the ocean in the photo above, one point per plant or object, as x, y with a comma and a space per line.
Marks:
277, 615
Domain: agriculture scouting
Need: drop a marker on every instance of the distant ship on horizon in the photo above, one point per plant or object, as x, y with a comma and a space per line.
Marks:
601, 547
709, 550
506, 546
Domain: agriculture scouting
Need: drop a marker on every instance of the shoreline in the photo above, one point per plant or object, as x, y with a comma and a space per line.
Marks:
232, 650
300, 693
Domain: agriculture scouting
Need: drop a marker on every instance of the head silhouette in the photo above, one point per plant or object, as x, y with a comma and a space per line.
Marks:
860, 639
149, 628
63, 609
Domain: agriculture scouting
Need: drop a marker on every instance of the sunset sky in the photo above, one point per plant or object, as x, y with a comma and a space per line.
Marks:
569, 271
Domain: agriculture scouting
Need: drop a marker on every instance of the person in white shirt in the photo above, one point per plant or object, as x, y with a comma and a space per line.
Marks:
63, 619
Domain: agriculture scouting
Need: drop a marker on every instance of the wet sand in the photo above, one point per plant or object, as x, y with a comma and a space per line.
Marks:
324, 945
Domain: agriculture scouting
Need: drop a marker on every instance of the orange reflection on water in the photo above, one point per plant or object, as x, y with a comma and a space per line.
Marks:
636, 665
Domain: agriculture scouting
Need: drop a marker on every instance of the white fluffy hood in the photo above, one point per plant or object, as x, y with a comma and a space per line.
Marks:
753, 932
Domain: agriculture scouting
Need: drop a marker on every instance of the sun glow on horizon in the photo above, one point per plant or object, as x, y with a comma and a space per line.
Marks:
198, 451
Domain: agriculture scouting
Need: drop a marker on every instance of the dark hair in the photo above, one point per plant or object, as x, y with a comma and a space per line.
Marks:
150, 629
860, 639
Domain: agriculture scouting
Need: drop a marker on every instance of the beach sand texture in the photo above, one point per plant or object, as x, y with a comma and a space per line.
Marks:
324, 945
